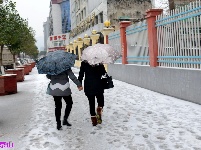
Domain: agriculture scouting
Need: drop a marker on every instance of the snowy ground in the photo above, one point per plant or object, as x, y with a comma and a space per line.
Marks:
133, 119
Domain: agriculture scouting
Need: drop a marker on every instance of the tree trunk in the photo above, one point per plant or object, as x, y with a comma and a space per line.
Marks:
1, 54
171, 4
14, 58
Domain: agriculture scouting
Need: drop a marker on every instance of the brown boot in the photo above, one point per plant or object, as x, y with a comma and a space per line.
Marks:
99, 114
94, 120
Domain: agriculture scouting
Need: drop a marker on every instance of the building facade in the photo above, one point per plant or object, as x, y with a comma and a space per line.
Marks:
86, 14
57, 42
90, 14
59, 17
46, 28
7, 57
133, 10
179, 3
55, 18
59, 24
65, 16
80, 17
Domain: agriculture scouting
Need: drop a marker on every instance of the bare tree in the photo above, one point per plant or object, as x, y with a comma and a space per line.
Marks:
171, 4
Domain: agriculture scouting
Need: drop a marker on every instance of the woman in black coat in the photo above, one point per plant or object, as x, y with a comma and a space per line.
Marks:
93, 88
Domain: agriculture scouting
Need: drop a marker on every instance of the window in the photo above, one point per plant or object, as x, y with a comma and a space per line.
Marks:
82, 14
76, 6
96, 19
101, 17
58, 43
77, 20
55, 44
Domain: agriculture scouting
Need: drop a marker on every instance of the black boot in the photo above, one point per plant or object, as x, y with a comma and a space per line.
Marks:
59, 127
65, 122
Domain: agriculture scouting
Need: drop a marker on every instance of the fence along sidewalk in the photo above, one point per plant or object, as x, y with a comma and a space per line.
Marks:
137, 41
178, 35
178, 38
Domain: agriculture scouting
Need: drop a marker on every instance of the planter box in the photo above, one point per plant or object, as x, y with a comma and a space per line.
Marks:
8, 84
26, 69
29, 67
33, 64
18, 71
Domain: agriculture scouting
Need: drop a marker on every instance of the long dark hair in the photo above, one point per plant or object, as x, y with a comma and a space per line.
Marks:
101, 38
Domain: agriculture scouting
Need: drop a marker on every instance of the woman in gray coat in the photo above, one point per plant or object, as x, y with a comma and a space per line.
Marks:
59, 88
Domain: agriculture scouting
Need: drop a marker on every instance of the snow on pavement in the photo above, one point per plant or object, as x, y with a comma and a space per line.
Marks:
133, 119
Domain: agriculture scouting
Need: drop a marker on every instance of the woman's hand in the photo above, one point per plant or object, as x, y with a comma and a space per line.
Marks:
80, 88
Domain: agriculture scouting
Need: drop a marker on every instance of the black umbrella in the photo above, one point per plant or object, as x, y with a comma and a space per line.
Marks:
56, 62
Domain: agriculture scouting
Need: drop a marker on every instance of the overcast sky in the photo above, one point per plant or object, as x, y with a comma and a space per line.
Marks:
36, 11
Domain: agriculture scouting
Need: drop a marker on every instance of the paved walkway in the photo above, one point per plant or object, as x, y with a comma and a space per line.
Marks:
134, 119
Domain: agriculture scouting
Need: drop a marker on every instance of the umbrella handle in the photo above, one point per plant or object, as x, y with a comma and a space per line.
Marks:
106, 75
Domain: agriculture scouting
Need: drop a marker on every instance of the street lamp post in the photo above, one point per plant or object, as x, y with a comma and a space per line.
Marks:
107, 30
94, 37
74, 44
80, 45
86, 40
67, 48
71, 47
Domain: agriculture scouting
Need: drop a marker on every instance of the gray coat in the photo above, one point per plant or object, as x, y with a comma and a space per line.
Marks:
59, 84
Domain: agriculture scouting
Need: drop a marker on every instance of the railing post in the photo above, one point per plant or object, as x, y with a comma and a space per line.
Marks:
123, 25
152, 35
106, 32
94, 37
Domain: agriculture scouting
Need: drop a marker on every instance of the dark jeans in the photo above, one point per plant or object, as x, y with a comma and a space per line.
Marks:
58, 106
100, 100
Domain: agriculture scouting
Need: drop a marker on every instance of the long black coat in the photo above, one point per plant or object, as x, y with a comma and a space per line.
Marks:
92, 81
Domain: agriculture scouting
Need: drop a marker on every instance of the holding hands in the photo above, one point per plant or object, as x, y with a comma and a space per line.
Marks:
80, 88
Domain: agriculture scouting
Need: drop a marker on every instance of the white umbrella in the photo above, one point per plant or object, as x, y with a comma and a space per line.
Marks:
100, 53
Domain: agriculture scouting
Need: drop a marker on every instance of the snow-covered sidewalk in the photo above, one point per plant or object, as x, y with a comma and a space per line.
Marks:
133, 119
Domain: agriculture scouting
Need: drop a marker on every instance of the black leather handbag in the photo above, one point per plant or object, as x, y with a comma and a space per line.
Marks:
107, 82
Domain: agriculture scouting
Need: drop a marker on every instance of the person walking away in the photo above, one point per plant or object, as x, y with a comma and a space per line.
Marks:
93, 88
59, 88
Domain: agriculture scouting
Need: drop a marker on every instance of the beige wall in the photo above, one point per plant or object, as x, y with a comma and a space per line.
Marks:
7, 57
131, 8
182, 2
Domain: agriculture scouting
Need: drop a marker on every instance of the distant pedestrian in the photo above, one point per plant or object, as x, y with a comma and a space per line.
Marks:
93, 88
59, 88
